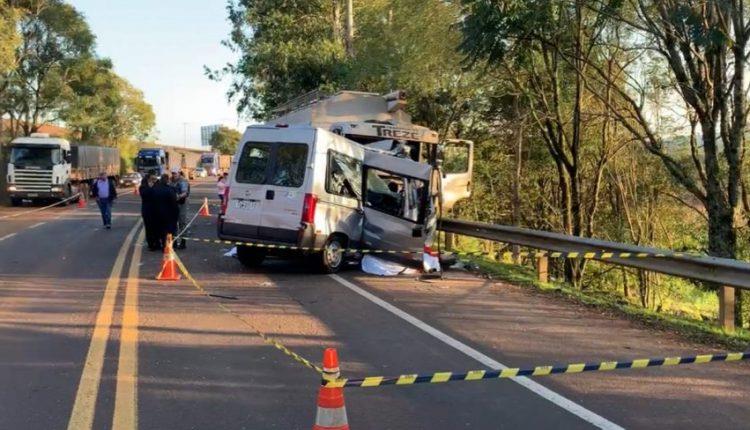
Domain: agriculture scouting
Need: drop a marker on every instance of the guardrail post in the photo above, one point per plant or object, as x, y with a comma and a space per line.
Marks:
542, 269
726, 308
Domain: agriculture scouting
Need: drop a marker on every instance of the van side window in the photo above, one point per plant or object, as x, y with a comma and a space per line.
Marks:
291, 160
344, 175
456, 158
253, 163
396, 195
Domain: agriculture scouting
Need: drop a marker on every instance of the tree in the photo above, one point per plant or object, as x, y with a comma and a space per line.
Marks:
104, 107
9, 37
225, 140
286, 48
54, 37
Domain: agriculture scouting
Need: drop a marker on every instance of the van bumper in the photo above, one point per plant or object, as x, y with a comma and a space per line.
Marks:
301, 241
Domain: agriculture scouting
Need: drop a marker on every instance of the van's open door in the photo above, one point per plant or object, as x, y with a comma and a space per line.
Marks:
396, 202
457, 167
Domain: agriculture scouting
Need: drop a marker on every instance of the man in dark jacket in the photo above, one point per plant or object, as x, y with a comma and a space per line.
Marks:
165, 208
148, 212
104, 191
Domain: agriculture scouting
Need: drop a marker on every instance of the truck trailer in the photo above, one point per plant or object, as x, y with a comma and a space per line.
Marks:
50, 168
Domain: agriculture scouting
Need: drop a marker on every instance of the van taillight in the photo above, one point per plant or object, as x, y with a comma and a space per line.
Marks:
225, 201
308, 208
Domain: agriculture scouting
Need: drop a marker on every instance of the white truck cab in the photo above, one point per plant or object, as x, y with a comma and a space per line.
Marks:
39, 168
50, 168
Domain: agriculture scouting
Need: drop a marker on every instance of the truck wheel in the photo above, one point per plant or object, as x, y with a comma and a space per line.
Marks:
332, 257
15, 202
250, 257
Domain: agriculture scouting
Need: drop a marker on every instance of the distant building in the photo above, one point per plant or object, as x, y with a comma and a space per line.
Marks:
206, 132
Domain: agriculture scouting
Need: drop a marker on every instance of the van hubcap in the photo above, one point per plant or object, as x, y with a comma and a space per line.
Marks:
334, 253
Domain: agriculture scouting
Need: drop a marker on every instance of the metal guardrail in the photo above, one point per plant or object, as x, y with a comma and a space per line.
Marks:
709, 269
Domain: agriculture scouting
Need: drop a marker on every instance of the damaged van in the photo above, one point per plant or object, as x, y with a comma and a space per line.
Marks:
305, 190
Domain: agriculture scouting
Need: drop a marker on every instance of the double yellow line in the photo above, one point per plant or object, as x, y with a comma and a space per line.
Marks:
126, 399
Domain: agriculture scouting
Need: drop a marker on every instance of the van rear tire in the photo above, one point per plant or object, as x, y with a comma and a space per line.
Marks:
332, 258
250, 257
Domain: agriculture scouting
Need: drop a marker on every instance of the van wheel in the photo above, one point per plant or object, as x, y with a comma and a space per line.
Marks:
15, 202
332, 258
250, 257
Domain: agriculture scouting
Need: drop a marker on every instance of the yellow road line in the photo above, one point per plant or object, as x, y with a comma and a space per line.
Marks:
82, 416
126, 394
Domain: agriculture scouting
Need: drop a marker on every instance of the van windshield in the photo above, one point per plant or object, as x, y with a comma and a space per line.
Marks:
287, 163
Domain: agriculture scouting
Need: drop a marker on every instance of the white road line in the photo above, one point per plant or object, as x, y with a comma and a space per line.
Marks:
39, 224
546, 393
7, 236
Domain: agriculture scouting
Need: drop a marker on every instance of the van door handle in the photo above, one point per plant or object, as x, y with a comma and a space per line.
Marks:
270, 194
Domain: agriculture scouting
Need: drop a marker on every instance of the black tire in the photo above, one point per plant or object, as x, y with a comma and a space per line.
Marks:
250, 257
15, 202
332, 259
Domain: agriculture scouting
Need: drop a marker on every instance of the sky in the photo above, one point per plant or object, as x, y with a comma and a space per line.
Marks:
161, 48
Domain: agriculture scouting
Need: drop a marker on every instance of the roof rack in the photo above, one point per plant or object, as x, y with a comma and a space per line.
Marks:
300, 101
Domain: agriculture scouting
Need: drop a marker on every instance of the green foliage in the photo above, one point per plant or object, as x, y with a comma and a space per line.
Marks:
56, 76
286, 48
225, 140
9, 37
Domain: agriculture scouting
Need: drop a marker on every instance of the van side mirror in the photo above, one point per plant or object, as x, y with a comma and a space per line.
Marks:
416, 231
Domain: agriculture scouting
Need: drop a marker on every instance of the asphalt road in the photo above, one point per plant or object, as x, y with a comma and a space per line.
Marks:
88, 339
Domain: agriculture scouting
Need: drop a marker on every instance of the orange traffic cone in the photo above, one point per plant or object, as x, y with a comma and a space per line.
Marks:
135, 190
331, 409
81, 203
204, 209
169, 270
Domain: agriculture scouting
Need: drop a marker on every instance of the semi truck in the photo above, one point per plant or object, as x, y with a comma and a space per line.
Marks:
50, 168
163, 159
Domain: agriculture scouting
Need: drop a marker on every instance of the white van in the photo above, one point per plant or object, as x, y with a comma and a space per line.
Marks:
303, 187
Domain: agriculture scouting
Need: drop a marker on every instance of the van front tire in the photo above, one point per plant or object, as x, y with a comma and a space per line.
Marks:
250, 257
331, 260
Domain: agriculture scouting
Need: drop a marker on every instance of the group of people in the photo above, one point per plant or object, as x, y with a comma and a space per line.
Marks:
164, 205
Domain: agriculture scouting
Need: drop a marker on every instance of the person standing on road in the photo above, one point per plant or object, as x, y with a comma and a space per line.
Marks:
182, 189
165, 209
104, 191
148, 212
221, 186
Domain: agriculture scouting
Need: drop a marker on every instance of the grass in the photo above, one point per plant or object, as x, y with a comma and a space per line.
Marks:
704, 332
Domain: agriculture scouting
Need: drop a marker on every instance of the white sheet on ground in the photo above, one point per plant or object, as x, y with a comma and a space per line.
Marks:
232, 252
377, 266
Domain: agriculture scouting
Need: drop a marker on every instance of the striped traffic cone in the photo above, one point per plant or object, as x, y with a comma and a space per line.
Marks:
169, 270
135, 190
204, 209
331, 409
81, 202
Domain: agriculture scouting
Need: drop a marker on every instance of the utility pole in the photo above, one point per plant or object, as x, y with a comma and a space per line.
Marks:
349, 39
184, 134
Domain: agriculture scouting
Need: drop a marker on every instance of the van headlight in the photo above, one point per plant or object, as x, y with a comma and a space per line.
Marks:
56, 189
12, 188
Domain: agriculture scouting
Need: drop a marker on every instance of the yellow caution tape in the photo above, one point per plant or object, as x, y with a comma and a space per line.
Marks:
267, 339
482, 375
524, 254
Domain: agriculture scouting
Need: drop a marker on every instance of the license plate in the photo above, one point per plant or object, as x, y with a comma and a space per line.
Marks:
246, 204
33, 195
